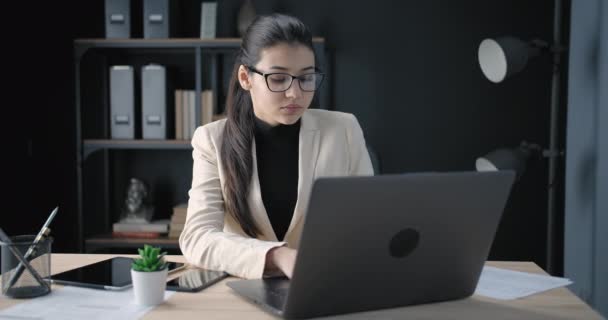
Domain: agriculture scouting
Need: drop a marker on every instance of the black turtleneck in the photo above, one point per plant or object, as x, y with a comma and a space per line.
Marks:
277, 158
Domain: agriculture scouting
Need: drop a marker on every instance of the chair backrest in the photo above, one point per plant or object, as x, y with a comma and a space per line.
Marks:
375, 159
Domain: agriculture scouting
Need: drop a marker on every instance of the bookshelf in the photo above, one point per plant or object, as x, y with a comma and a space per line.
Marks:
104, 241
104, 165
92, 145
225, 43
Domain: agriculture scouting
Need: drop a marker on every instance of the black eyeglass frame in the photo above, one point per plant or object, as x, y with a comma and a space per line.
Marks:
266, 75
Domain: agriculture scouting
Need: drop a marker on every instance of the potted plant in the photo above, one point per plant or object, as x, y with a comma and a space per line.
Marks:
149, 276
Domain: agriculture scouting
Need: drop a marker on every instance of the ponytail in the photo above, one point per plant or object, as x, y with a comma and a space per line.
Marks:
264, 32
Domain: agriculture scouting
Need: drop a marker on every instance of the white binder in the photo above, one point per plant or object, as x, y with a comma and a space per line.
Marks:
154, 102
122, 109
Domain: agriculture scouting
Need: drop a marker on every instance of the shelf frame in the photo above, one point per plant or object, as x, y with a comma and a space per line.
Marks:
106, 241
195, 46
90, 146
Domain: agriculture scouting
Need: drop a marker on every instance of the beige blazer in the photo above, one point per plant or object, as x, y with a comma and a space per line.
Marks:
331, 144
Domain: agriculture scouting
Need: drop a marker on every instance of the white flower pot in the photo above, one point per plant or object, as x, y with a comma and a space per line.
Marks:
149, 287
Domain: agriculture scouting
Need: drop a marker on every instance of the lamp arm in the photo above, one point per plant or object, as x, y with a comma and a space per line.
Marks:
557, 49
537, 149
530, 146
553, 153
540, 44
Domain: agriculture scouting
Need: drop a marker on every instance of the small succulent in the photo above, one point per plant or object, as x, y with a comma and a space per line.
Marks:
150, 260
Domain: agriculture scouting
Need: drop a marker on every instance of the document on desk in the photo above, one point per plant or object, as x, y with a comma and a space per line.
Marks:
71, 303
506, 284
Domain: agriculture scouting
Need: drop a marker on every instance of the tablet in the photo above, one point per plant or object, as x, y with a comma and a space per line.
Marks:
110, 274
195, 280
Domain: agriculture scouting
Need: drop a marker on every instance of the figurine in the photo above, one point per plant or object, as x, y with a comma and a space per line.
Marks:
136, 207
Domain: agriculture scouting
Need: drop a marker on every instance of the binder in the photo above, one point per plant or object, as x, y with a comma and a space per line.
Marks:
154, 102
118, 18
159, 18
208, 20
122, 105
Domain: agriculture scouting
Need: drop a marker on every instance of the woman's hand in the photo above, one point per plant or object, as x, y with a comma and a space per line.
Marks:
282, 258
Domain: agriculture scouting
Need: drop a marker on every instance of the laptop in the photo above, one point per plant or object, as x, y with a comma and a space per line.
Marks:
387, 241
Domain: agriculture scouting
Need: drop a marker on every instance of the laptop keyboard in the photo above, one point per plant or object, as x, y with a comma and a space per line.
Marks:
279, 292
277, 297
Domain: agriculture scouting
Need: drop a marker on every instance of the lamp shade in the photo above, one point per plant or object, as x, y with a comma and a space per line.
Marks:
502, 57
504, 159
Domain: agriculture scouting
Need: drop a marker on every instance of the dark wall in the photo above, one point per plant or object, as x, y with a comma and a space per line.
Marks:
407, 69
38, 100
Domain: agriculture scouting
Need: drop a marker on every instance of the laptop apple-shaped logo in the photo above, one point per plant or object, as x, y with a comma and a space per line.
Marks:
404, 242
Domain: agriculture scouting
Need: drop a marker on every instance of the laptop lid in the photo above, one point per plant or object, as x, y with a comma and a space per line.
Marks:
393, 240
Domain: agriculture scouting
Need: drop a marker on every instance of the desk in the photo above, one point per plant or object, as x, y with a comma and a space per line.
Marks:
219, 302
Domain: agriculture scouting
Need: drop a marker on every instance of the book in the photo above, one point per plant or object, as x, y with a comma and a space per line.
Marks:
185, 114
174, 235
176, 226
179, 219
192, 105
217, 117
140, 235
182, 207
189, 113
207, 107
208, 20
179, 121
161, 226
180, 211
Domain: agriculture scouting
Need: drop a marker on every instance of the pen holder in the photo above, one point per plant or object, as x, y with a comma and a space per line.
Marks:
18, 279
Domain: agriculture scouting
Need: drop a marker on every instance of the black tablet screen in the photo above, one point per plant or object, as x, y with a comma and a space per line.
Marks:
195, 280
114, 272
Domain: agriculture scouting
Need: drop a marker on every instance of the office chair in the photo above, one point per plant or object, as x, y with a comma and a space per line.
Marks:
375, 159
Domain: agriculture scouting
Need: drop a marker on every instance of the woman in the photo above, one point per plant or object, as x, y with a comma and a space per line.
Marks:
253, 171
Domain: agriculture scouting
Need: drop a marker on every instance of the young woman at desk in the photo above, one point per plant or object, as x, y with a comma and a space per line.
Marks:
253, 171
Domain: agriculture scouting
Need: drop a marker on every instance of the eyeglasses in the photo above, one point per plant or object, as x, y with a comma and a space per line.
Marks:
281, 82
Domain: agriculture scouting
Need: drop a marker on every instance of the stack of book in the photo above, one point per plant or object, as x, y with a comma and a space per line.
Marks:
186, 111
153, 229
178, 220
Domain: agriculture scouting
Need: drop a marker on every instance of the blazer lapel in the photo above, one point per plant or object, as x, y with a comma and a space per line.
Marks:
308, 148
307, 161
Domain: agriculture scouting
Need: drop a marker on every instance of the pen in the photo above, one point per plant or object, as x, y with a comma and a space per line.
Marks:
33, 247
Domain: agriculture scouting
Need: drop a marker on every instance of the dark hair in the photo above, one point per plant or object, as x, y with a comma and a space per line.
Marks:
264, 32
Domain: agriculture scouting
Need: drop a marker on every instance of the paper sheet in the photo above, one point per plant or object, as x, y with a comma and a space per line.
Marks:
506, 284
71, 303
